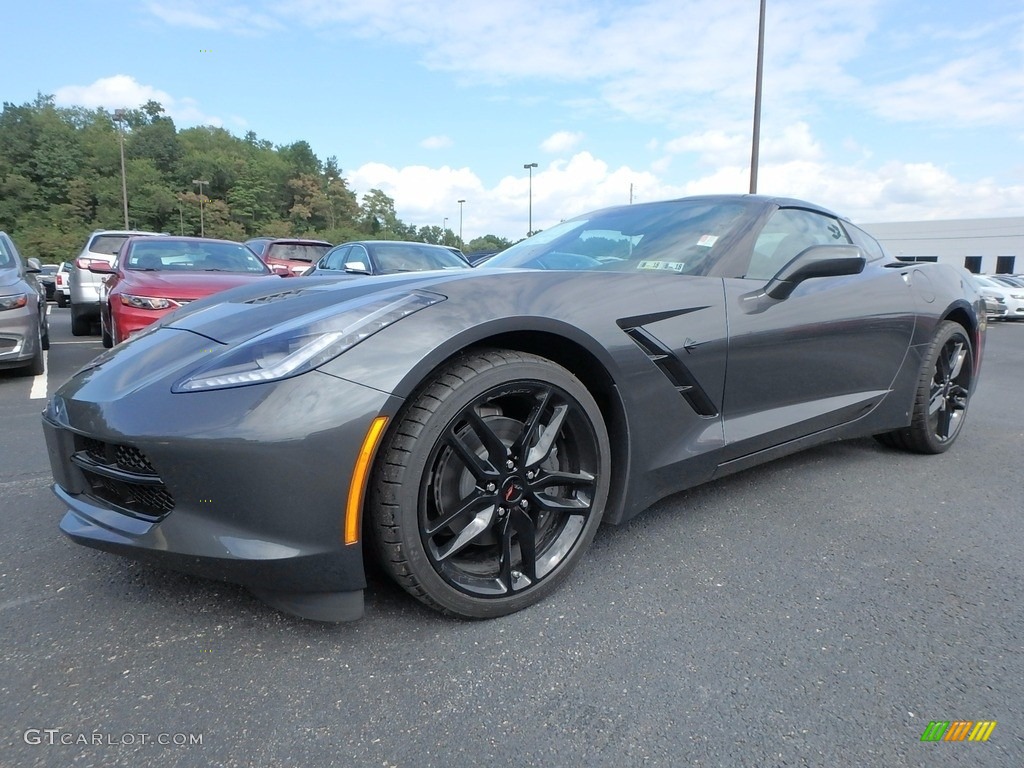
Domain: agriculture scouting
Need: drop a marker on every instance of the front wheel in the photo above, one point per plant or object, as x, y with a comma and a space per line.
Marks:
943, 393
491, 485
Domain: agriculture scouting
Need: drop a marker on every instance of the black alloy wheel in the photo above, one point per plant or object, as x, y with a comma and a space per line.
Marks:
943, 393
491, 485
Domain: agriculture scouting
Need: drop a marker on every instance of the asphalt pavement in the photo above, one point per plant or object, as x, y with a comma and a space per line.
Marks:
818, 611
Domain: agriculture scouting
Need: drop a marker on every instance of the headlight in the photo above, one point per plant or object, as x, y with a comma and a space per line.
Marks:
1018, 296
148, 302
303, 345
15, 301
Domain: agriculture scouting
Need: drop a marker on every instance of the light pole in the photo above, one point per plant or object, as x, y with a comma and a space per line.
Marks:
119, 118
530, 167
461, 244
444, 231
755, 142
202, 222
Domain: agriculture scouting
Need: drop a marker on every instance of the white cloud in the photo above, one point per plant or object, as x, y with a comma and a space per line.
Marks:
562, 141
234, 17
436, 142
893, 191
976, 90
125, 92
118, 91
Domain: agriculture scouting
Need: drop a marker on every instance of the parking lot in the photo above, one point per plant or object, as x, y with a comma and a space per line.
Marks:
817, 611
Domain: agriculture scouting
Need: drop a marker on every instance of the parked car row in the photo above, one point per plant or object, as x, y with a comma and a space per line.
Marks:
124, 280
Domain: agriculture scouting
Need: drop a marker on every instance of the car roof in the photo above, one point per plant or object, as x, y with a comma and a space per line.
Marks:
289, 240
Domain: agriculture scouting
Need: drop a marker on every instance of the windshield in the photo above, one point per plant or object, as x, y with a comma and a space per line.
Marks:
170, 255
297, 251
412, 257
678, 237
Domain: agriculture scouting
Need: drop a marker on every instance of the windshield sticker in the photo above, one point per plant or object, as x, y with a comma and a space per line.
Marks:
675, 266
707, 240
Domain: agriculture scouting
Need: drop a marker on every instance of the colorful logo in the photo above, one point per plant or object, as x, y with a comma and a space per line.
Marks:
958, 730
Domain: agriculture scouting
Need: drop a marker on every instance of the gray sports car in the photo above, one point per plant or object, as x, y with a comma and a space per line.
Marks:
470, 429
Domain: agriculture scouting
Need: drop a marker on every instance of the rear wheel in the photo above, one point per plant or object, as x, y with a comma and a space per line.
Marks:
491, 485
943, 393
81, 324
62, 300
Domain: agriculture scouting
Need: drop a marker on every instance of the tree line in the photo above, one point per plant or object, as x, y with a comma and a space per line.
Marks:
60, 179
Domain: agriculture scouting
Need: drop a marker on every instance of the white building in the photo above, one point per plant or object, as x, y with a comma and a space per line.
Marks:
983, 246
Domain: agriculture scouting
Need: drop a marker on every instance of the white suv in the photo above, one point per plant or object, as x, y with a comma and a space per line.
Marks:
102, 246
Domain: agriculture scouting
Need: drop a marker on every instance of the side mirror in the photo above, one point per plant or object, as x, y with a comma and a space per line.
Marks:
32, 264
100, 267
356, 268
816, 261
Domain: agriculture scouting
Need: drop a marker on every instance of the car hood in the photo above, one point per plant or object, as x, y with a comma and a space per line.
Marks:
242, 313
187, 285
9, 278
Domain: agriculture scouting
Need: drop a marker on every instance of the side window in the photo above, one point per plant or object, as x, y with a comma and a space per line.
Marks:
358, 254
788, 232
336, 259
870, 247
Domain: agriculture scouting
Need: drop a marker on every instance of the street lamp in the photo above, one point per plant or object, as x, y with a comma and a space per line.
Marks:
444, 231
530, 167
119, 117
461, 244
202, 223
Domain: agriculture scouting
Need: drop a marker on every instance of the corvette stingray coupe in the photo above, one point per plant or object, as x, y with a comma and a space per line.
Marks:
470, 429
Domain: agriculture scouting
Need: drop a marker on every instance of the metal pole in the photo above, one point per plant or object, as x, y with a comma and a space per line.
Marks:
755, 143
530, 167
461, 243
202, 221
119, 116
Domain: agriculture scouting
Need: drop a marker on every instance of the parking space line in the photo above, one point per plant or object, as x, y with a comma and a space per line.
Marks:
40, 383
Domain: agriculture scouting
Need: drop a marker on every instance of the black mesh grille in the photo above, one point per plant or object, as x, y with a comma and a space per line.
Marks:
136, 488
148, 500
133, 460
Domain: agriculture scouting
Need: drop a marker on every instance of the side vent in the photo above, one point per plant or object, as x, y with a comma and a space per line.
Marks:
674, 371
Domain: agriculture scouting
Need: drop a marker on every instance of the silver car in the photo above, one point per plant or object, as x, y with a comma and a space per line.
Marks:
24, 333
86, 294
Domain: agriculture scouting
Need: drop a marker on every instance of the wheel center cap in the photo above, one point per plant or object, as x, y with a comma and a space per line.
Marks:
512, 490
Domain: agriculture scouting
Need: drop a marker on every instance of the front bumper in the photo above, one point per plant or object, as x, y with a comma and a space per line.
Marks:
127, 321
246, 485
19, 335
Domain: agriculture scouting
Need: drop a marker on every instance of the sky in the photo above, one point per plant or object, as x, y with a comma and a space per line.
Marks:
882, 110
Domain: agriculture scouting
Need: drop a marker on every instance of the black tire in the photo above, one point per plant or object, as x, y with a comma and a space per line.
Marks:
463, 506
943, 394
37, 365
108, 340
81, 325
61, 300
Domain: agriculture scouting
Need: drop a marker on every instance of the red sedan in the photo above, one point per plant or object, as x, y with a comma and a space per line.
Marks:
153, 276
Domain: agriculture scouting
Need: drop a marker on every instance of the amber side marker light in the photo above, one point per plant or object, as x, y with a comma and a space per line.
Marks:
357, 488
